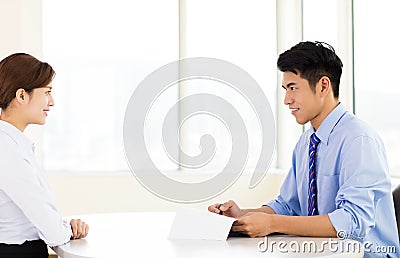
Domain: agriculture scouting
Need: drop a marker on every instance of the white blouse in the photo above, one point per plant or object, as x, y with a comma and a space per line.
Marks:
27, 205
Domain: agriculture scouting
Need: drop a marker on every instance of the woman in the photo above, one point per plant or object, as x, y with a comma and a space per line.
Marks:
28, 216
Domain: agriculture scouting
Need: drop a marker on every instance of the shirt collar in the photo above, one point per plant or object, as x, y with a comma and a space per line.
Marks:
326, 127
17, 135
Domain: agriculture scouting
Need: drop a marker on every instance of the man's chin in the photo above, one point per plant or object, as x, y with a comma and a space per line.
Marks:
301, 122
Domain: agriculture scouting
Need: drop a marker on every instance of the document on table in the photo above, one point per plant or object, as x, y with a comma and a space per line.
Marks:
200, 224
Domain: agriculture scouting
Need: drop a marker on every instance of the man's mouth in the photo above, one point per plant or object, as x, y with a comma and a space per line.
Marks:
293, 110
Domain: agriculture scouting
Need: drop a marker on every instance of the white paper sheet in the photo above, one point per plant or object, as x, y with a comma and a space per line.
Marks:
200, 224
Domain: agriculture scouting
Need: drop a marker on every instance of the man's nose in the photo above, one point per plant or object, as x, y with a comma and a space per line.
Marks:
288, 99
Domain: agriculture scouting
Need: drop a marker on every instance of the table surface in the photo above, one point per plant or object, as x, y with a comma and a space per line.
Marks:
145, 234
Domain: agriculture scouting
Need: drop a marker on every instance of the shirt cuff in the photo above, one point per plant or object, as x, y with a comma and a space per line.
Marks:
342, 222
276, 207
67, 224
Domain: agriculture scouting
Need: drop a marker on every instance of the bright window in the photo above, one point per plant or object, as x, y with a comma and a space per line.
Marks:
101, 50
243, 33
376, 55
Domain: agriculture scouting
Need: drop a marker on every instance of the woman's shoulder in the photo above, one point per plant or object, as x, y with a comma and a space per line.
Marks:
6, 139
8, 145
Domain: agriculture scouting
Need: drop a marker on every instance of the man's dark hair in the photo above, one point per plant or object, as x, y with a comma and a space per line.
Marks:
312, 60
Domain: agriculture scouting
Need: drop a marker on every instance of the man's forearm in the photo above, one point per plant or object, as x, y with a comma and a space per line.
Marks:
313, 226
265, 209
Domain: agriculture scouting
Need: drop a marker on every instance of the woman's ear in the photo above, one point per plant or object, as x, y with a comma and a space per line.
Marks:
21, 96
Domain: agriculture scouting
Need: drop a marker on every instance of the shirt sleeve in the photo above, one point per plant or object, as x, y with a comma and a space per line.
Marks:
20, 182
287, 202
363, 182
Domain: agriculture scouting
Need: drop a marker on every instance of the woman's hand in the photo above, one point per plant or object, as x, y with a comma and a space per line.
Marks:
79, 228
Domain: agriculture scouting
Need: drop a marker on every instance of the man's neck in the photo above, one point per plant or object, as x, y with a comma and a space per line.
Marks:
327, 109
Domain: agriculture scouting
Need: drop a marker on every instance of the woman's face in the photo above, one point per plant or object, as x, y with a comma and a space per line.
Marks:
40, 101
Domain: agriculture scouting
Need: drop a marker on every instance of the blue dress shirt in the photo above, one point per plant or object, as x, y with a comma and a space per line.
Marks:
353, 182
27, 206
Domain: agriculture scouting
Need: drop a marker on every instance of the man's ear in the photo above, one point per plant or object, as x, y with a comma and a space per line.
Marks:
325, 84
21, 96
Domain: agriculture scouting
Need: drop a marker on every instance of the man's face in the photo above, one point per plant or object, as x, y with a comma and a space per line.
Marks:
302, 101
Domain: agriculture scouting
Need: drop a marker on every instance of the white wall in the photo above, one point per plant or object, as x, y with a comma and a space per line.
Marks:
20, 27
20, 31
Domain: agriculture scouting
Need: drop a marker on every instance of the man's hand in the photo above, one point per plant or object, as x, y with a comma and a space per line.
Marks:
229, 209
254, 224
79, 228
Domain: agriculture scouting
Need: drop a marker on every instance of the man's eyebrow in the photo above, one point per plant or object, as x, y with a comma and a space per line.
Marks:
288, 85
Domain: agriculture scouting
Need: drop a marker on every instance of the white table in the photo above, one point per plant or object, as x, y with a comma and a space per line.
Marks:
142, 234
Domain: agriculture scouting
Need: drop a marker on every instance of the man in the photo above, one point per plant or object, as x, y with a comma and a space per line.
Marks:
339, 178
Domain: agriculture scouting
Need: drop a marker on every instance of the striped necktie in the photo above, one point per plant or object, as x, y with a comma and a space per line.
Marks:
312, 183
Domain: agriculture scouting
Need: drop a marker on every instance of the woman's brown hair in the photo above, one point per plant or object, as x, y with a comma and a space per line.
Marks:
22, 71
